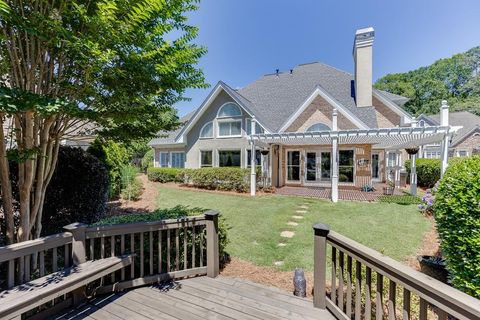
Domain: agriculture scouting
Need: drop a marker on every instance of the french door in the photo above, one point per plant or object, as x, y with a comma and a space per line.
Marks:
375, 166
318, 166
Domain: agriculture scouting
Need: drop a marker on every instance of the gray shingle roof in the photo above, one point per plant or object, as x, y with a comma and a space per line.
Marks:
168, 137
468, 120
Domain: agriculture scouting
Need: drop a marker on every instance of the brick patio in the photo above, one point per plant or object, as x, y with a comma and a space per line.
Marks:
343, 194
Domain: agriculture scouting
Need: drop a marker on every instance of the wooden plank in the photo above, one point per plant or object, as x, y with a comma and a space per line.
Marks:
92, 249
341, 261
334, 276
132, 251
54, 260
142, 257
392, 297
202, 238
185, 251
194, 244
142, 309
442, 315
11, 274
122, 252
28, 267
177, 250
168, 251
42, 263
160, 251
112, 254
406, 304
150, 252
349, 287
123, 312
358, 290
368, 293
102, 247
67, 255
379, 298
423, 310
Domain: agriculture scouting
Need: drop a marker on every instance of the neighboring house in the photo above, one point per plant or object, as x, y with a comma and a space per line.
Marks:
465, 143
297, 115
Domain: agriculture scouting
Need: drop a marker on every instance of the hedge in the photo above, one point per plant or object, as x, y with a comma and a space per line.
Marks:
164, 175
226, 178
173, 213
428, 171
457, 212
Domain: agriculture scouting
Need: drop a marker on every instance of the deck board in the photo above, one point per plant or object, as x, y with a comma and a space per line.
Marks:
199, 298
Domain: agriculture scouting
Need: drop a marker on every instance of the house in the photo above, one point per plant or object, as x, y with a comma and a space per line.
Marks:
465, 143
316, 125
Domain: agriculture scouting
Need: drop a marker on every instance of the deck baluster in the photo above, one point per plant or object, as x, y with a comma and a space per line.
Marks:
349, 286
379, 298
368, 293
341, 267
392, 296
358, 290
333, 294
406, 304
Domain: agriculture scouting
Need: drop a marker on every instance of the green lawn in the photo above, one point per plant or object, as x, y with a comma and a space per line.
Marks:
256, 223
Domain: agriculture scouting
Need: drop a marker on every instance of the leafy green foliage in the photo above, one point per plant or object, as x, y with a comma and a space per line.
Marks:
114, 155
457, 213
132, 187
77, 193
147, 160
227, 178
456, 79
176, 212
164, 175
403, 199
428, 171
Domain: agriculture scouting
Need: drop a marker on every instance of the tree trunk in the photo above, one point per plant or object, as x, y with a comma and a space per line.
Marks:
6, 186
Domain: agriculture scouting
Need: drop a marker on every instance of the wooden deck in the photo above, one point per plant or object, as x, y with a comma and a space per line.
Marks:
326, 193
200, 298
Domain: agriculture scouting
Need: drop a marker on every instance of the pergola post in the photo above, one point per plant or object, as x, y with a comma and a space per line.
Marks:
446, 138
334, 157
397, 168
413, 168
253, 174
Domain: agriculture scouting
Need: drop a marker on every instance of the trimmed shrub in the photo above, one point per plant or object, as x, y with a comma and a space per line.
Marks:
132, 187
147, 160
164, 175
428, 171
78, 191
229, 179
173, 213
457, 212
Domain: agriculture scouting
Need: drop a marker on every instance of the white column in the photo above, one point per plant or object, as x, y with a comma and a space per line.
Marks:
334, 158
253, 175
413, 168
446, 137
397, 168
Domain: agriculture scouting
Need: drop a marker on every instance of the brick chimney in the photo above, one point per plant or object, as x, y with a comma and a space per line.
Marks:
362, 57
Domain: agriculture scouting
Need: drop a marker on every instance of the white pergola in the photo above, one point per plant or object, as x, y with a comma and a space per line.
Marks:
389, 139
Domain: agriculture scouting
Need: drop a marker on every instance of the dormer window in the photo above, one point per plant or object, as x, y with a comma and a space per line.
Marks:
229, 121
229, 110
421, 123
318, 127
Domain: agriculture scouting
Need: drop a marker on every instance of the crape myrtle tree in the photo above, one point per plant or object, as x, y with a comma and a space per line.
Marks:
121, 64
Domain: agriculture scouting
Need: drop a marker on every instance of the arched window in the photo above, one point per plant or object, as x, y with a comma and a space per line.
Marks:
421, 123
229, 110
207, 130
318, 127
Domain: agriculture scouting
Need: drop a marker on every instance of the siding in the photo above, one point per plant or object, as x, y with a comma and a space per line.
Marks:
386, 117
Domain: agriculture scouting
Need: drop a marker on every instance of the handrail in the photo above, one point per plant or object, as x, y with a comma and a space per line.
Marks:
439, 294
24, 248
353, 287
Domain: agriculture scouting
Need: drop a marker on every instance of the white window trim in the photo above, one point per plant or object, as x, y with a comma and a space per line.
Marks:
160, 159
228, 149
203, 127
200, 158
171, 158
459, 150
222, 120
247, 132
223, 105
299, 181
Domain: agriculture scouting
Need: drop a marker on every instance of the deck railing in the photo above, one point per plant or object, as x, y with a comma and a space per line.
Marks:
365, 284
162, 250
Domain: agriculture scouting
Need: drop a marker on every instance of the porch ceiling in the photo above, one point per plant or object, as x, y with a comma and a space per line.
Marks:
382, 138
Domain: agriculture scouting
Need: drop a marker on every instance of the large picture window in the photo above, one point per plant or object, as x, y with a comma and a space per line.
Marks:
346, 165
293, 165
230, 128
163, 159
178, 160
229, 158
258, 157
206, 158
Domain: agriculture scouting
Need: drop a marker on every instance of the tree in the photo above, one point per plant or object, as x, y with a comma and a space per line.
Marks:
119, 63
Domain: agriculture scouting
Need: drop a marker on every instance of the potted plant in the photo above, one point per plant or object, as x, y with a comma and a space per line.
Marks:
434, 266
389, 189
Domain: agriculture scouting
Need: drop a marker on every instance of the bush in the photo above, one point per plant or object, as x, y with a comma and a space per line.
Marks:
147, 160
115, 156
78, 191
428, 171
457, 213
172, 213
132, 187
235, 179
164, 175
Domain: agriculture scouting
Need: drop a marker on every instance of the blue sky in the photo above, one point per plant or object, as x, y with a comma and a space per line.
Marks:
249, 38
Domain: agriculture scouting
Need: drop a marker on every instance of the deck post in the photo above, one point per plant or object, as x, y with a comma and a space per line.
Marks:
334, 158
253, 167
213, 261
320, 265
445, 143
78, 255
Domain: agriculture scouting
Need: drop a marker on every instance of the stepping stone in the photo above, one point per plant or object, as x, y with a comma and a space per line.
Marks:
291, 223
287, 234
301, 211
278, 263
281, 244
303, 206
255, 242
297, 217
